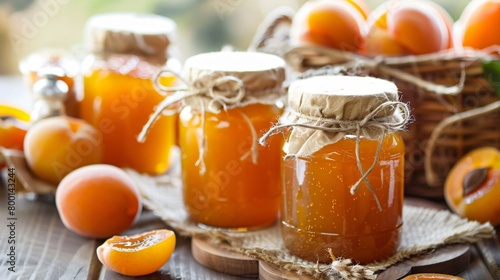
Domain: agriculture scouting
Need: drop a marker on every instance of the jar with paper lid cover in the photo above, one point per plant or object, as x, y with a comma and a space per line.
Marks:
231, 98
119, 95
343, 168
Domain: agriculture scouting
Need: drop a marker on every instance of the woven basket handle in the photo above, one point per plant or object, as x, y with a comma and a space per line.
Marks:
430, 175
268, 29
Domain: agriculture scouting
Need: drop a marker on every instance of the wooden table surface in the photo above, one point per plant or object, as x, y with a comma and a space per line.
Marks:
45, 249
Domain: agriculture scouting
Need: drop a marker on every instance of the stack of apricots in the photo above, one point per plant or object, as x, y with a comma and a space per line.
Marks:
395, 28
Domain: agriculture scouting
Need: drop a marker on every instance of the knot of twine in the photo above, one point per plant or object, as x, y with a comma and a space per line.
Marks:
217, 98
385, 125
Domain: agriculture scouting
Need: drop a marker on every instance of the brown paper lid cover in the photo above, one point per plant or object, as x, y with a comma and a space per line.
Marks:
145, 35
260, 73
341, 97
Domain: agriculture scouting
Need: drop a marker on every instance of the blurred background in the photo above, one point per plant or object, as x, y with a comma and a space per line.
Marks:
203, 25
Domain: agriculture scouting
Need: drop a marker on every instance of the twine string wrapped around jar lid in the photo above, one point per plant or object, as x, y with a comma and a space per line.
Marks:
222, 81
323, 110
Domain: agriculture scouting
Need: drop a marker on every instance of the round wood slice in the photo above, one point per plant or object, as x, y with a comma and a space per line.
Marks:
451, 259
269, 271
222, 260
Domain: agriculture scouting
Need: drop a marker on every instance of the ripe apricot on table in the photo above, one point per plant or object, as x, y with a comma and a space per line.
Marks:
431, 276
98, 201
56, 146
138, 254
407, 28
472, 187
479, 24
333, 24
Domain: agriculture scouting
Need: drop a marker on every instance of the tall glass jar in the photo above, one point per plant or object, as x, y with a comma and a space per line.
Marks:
119, 95
229, 180
340, 129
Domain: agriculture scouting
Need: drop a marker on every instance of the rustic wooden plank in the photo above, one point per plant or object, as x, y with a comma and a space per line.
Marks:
477, 268
44, 248
489, 251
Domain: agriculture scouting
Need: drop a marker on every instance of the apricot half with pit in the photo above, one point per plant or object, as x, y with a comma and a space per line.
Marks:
472, 187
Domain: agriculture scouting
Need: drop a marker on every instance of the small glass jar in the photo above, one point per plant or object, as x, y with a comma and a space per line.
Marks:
59, 63
229, 180
119, 95
328, 210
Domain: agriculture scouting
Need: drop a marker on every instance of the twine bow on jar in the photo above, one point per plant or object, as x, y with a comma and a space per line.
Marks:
214, 92
383, 125
323, 110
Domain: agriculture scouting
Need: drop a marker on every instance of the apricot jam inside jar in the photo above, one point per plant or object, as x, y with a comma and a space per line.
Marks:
343, 169
119, 95
229, 181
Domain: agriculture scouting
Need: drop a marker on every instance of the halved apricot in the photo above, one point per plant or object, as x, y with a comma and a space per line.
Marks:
432, 276
13, 128
139, 254
472, 187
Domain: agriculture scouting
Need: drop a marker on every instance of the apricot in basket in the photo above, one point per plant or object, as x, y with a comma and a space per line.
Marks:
332, 24
477, 26
411, 27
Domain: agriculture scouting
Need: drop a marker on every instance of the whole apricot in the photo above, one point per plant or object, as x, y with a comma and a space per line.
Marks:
410, 27
56, 146
98, 201
333, 24
478, 24
139, 254
472, 187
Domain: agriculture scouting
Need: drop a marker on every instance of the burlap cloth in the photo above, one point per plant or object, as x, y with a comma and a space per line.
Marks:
423, 230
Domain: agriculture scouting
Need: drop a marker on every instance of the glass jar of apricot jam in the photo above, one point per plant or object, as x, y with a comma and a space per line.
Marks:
119, 95
343, 169
229, 180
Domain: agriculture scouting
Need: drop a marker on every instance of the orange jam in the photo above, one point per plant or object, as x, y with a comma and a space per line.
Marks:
234, 192
118, 99
319, 211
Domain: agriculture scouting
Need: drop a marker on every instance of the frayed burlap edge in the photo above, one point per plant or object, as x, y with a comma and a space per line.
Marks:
424, 230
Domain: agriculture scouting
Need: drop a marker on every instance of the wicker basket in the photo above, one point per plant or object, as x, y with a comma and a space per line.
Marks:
455, 109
